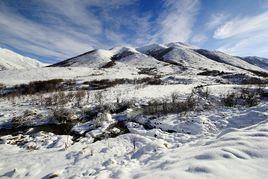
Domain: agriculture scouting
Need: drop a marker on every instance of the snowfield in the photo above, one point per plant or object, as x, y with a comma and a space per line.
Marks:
226, 143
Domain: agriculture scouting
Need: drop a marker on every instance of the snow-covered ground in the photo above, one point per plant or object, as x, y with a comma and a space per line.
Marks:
222, 143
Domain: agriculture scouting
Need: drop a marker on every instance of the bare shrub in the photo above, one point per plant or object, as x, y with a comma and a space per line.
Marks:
229, 100
2, 86
23, 119
79, 95
148, 71
48, 101
98, 97
249, 96
70, 96
63, 115
159, 107
246, 96
203, 93
174, 97
39, 86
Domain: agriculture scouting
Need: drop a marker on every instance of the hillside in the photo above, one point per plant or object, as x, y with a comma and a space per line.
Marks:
257, 61
10, 60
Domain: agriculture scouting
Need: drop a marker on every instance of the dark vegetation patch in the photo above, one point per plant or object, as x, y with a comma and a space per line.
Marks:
121, 55
2, 86
213, 73
164, 107
245, 79
58, 129
259, 73
109, 64
158, 54
148, 71
105, 83
39, 86
209, 55
34, 88
245, 97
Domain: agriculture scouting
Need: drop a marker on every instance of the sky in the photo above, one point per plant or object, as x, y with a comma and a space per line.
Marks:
53, 30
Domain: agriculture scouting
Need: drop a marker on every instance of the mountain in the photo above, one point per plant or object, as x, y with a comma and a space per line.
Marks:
10, 60
257, 61
228, 59
173, 57
106, 58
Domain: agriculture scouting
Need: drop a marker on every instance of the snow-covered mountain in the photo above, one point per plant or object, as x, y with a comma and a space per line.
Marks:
159, 55
257, 61
227, 59
11, 60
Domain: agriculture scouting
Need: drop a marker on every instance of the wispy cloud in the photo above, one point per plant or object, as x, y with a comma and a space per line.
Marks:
216, 20
244, 35
63, 28
199, 38
242, 26
178, 20
66, 28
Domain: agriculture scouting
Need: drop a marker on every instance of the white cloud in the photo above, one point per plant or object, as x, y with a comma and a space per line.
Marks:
199, 38
215, 20
254, 45
243, 26
244, 35
177, 20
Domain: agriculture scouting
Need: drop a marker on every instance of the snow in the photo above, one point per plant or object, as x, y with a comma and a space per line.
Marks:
11, 60
151, 48
235, 149
12, 77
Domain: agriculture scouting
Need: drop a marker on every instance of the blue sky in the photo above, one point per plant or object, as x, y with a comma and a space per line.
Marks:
53, 30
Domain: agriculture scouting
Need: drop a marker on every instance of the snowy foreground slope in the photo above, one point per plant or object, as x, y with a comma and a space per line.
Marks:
11, 60
236, 146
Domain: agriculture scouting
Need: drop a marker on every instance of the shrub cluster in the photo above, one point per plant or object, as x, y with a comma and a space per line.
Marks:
106, 83
35, 87
2, 86
246, 96
155, 107
40, 86
63, 115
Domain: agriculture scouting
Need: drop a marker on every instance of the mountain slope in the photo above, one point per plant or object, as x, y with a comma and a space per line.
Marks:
228, 59
186, 56
257, 61
11, 60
